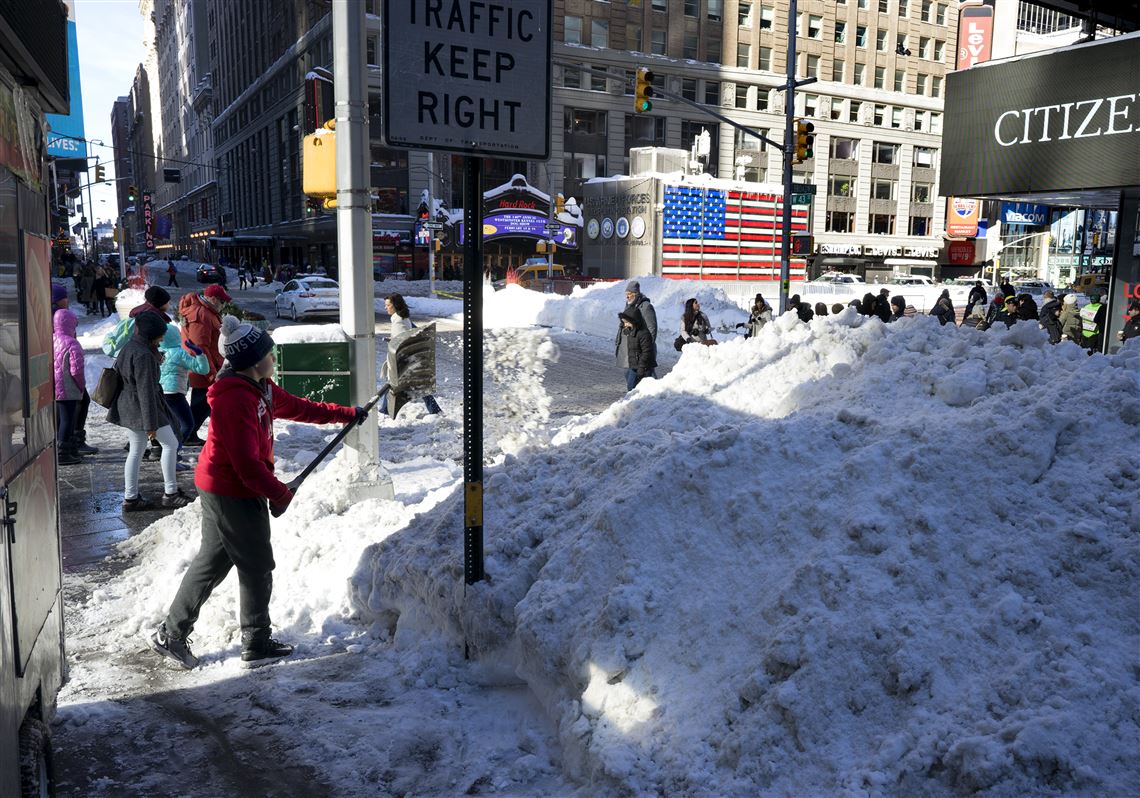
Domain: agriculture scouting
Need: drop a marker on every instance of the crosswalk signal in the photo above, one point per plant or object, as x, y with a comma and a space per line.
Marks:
100, 173
559, 203
805, 140
643, 91
132, 193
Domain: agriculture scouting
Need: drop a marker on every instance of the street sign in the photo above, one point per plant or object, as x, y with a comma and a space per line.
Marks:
432, 225
471, 79
803, 188
553, 227
801, 199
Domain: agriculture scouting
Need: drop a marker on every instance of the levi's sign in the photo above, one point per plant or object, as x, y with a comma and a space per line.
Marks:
468, 76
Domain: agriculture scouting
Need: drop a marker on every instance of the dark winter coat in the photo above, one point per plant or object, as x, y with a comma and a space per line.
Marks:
1050, 323
977, 297
237, 458
640, 350
643, 306
1131, 329
140, 405
804, 312
943, 310
883, 308
1027, 308
1005, 317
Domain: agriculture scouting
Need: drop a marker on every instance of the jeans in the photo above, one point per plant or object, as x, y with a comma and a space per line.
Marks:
181, 414
169, 460
66, 411
81, 416
235, 532
200, 409
430, 404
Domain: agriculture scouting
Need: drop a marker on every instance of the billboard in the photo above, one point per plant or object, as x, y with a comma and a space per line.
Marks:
1027, 213
1064, 120
962, 217
65, 137
975, 34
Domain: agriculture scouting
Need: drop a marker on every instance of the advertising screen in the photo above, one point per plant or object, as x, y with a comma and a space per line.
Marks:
65, 139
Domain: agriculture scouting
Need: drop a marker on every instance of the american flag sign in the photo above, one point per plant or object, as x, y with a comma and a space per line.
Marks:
725, 234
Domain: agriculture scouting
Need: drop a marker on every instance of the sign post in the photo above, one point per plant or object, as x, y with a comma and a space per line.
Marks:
477, 84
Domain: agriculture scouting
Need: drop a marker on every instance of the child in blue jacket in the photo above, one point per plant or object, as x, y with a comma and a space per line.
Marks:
178, 361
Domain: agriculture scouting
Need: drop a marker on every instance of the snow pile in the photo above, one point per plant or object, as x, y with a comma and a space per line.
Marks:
594, 310
309, 334
128, 299
837, 559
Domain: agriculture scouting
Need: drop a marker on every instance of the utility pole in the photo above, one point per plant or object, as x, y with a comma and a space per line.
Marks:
431, 218
90, 216
354, 232
788, 153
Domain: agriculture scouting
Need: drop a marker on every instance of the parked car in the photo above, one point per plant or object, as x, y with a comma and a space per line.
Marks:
531, 275
1032, 286
911, 279
211, 273
307, 296
840, 278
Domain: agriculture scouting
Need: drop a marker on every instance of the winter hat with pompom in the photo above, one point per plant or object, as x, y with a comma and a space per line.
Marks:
244, 344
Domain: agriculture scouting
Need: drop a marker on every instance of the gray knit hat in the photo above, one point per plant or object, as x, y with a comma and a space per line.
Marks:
244, 344
633, 287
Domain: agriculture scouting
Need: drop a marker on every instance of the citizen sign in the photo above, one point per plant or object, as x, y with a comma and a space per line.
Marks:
1102, 116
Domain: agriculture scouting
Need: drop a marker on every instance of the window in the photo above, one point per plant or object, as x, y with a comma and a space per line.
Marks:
837, 108
747, 158
691, 8
936, 86
860, 74
855, 111
741, 97
812, 70
863, 4
844, 149
940, 19
815, 27
748, 142
633, 38
837, 70
900, 80
744, 15
657, 47
642, 130
761, 98
925, 47
689, 47
767, 16
716, 9
573, 30
861, 36
842, 186
689, 89
902, 8
883, 189
765, 59
896, 118
600, 33
884, 6
744, 53
880, 77
579, 167
370, 51
840, 32
691, 129
900, 44
924, 157
939, 51
880, 115
661, 5
712, 92
584, 122
936, 123
882, 224
571, 78
811, 104
920, 120
881, 41
922, 192
920, 225
926, 4
921, 84
884, 153
840, 222
598, 83
630, 81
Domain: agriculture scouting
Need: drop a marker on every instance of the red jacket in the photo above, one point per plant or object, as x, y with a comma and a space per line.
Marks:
203, 326
237, 458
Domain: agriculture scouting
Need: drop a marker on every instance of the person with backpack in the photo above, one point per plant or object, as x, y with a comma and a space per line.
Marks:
141, 410
236, 488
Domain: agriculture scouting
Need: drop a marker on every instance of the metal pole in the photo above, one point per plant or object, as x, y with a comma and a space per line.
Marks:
122, 245
789, 151
90, 220
354, 213
472, 369
431, 218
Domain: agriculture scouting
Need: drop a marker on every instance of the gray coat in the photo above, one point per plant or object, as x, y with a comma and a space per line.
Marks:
140, 404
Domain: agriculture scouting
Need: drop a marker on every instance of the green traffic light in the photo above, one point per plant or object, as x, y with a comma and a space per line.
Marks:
644, 106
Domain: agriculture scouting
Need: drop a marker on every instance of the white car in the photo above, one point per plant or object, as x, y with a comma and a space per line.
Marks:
308, 296
912, 279
840, 278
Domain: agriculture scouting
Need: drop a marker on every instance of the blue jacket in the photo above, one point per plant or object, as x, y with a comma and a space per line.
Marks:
177, 363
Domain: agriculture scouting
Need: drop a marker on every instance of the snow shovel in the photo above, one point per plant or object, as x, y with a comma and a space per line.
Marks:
295, 483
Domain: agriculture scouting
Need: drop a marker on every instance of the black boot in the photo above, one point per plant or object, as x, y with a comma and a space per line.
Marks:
66, 455
258, 648
81, 443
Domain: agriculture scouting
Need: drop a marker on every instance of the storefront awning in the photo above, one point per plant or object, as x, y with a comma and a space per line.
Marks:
221, 241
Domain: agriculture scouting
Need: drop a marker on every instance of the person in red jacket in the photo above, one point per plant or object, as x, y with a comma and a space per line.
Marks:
202, 323
236, 485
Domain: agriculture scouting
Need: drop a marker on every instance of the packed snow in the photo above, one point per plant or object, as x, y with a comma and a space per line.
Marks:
842, 558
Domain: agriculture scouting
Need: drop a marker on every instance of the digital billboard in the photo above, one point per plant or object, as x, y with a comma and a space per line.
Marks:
65, 138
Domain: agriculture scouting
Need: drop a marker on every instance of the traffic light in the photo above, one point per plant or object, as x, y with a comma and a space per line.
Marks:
422, 212
100, 173
132, 193
559, 203
437, 244
312, 206
805, 140
643, 91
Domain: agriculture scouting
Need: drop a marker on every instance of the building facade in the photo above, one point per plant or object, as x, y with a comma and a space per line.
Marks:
140, 157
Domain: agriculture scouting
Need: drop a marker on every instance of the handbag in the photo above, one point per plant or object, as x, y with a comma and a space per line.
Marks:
679, 342
108, 389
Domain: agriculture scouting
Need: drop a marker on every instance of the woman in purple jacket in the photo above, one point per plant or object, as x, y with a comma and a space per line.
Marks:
70, 385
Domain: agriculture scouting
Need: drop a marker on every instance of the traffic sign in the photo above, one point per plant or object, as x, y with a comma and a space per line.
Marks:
432, 225
803, 188
553, 227
468, 78
801, 199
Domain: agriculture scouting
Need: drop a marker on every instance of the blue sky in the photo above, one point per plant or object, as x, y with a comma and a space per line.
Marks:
110, 34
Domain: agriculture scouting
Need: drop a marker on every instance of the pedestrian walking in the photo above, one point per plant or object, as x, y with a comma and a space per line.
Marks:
202, 324
636, 350
1050, 320
171, 274
635, 300
977, 297
236, 487
86, 294
695, 326
943, 309
1132, 325
141, 410
179, 358
157, 301
400, 319
70, 384
1093, 318
242, 276
1070, 319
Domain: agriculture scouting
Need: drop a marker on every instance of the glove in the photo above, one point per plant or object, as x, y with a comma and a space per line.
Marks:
193, 348
361, 415
281, 505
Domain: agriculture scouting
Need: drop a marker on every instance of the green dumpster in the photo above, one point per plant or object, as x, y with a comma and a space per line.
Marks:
321, 371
